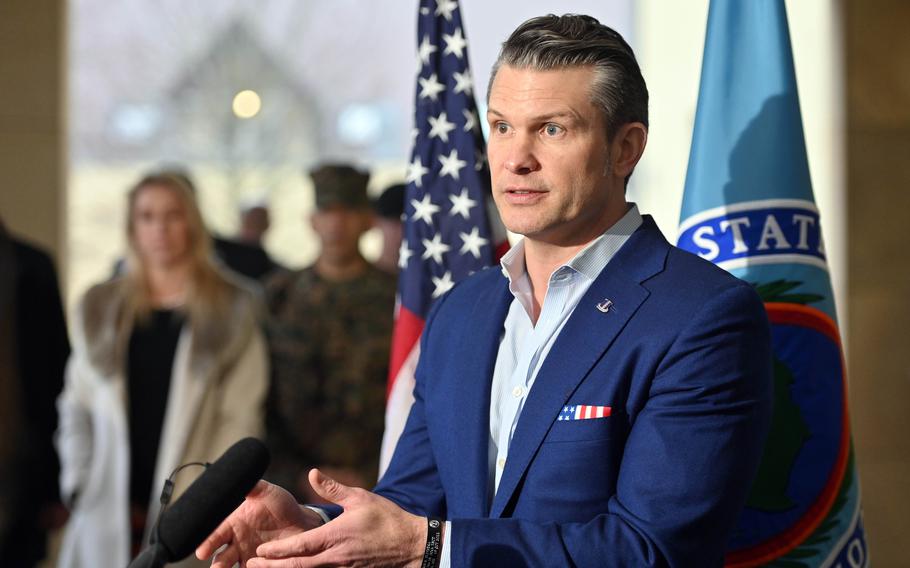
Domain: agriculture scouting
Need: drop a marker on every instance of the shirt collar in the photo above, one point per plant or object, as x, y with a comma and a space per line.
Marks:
589, 261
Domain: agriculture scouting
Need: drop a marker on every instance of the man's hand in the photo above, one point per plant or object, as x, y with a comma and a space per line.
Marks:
372, 531
269, 512
343, 475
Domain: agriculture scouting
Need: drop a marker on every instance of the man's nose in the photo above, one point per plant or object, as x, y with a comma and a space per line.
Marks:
521, 158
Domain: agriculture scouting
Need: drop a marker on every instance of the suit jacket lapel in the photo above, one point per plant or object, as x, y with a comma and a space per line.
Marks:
478, 347
579, 347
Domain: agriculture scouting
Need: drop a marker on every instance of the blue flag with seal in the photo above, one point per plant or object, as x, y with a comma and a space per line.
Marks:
749, 208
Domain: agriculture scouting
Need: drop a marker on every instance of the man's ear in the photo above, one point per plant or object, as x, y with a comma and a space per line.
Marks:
627, 147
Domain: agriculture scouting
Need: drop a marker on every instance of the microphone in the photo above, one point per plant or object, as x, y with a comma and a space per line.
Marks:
220, 489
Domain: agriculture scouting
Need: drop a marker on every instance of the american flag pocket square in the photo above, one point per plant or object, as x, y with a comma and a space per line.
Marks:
584, 412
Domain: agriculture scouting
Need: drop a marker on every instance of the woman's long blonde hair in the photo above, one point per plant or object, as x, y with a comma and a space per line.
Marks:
208, 291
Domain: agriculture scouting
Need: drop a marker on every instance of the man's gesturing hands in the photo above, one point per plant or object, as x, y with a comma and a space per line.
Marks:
269, 512
270, 530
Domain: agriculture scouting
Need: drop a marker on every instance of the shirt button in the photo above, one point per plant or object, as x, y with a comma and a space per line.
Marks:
501, 463
517, 392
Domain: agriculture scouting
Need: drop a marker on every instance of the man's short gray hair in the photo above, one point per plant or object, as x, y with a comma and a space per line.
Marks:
555, 42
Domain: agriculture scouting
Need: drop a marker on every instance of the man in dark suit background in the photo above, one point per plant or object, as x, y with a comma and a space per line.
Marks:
33, 351
601, 399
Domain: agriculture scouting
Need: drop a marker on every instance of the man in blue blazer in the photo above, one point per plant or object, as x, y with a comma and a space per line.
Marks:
602, 398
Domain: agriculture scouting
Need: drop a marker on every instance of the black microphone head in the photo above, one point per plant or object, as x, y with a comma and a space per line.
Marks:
155, 556
220, 489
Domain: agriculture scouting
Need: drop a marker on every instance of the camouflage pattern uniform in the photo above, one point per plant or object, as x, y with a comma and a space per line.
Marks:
330, 345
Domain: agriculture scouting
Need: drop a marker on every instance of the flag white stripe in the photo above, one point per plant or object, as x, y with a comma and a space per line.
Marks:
398, 407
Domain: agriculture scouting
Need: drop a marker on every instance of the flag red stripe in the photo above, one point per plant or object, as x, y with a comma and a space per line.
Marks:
407, 331
501, 249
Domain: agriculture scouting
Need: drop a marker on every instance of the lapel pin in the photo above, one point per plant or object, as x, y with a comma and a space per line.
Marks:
605, 305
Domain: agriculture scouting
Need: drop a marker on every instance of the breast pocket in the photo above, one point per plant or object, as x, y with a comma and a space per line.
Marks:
588, 429
573, 474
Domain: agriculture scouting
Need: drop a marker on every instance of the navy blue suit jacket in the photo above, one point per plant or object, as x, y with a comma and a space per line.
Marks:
682, 358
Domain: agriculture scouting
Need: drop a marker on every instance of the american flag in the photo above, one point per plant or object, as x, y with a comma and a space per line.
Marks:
584, 412
447, 229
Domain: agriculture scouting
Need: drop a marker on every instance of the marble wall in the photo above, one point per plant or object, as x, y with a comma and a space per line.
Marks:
878, 204
32, 139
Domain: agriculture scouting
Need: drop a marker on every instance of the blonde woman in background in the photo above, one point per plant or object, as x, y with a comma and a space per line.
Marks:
169, 367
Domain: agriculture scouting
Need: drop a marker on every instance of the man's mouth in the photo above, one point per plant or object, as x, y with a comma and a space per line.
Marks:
523, 195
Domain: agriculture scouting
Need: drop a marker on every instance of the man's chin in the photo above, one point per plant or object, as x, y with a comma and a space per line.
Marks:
525, 227
340, 258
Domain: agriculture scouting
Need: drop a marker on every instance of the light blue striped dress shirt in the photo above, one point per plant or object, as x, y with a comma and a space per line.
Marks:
524, 345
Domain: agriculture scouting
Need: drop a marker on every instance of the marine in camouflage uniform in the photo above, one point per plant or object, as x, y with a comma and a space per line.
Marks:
330, 334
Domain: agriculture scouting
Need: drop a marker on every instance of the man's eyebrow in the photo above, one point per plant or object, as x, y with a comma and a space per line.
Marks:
545, 117
564, 114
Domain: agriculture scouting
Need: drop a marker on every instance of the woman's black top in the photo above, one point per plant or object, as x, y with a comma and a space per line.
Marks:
153, 345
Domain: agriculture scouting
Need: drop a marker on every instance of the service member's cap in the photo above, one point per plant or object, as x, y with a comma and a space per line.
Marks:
343, 185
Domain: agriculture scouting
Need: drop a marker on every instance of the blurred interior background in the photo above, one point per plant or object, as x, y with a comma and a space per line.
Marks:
247, 95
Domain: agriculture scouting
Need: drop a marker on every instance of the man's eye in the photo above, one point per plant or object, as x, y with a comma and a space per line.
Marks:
553, 130
502, 128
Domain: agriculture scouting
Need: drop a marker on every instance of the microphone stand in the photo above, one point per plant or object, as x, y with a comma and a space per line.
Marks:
156, 555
